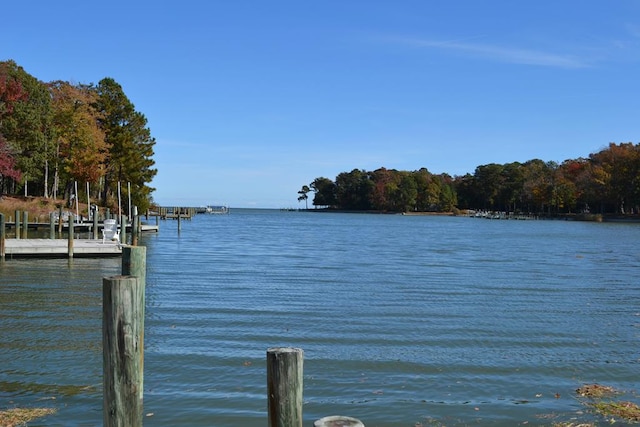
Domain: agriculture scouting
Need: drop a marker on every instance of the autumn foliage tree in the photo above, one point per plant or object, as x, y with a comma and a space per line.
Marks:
53, 135
81, 149
25, 121
608, 181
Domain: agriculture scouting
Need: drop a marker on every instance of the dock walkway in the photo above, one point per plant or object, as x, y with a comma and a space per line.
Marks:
60, 247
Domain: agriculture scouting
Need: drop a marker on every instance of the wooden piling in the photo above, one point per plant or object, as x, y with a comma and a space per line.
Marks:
17, 223
134, 263
2, 236
284, 386
122, 338
123, 229
70, 237
134, 230
25, 224
52, 226
95, 224
60, 221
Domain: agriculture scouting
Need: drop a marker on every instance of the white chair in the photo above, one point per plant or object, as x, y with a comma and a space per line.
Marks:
110, 230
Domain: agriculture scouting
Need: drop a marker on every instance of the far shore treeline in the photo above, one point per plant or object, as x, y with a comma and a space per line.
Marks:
607, 182
58, 135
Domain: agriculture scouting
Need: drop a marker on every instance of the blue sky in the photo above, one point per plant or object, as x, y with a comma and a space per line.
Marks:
248, 100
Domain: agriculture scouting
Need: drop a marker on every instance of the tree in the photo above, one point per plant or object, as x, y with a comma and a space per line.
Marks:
25, 121
303, 195
490, 180
448, 198
325, 192
129, 142
81, 150
8, 168
353, 190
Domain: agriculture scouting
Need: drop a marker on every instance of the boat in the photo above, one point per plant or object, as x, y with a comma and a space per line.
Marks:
216, 210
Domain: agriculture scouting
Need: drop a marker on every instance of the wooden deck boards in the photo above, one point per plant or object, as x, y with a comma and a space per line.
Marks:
59, 248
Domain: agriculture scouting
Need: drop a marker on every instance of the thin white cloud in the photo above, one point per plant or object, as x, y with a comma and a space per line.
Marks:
501, 53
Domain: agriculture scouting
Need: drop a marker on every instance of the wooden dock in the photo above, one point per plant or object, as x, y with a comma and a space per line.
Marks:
51, 248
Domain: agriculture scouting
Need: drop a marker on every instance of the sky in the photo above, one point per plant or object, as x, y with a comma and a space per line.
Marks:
250, 100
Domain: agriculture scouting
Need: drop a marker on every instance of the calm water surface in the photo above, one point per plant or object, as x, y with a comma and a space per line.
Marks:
403, 320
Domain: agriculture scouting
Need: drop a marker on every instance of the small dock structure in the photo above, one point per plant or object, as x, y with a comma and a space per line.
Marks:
175, 212
91, 245
54, 248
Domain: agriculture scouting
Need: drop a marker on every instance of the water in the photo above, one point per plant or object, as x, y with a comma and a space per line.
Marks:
404, 320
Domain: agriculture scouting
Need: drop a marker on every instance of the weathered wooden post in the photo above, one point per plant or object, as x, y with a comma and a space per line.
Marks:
2, 236
179, 222
122, 338
95, 223
134, 227
284, 386
70, 237
17, 224
52, 226
338, 421
123, 229
134, 263
60, 221
25, 224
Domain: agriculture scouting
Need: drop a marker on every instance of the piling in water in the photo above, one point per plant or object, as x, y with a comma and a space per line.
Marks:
17, 224
52, 226
25, 225
70, 237
122, 342
2, 235
284, 386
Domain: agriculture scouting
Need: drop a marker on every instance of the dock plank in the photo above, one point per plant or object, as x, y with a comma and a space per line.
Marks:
59, 248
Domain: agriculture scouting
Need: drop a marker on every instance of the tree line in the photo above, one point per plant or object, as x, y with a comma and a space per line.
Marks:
56, 134
606, 182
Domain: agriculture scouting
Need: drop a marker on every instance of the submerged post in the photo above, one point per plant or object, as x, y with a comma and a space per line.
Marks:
70, 237
284, 386
25, 224
122, 338
2, 235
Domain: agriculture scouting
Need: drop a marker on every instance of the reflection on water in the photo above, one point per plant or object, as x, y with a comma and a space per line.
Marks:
403, 320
